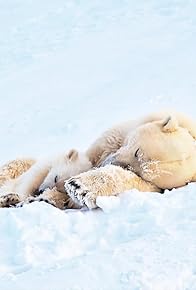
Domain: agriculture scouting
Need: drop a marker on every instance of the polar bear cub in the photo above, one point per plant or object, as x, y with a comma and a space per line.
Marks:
32, 177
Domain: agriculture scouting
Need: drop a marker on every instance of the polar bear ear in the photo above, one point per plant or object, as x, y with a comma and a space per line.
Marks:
170, 124
72, 155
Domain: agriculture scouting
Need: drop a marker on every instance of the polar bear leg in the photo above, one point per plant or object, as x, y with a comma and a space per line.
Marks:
54, 197
104, 181
59, 199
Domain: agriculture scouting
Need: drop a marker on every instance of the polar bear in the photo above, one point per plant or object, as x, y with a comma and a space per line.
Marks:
115, 146
27, 180
115, 138
152, 156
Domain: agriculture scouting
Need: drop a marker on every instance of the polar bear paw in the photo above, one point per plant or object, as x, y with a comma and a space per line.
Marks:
9, 200
79, 193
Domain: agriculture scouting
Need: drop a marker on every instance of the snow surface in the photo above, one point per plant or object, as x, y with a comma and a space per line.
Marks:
68, 70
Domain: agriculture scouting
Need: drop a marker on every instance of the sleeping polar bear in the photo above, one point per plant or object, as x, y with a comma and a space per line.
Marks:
158, 151
154, 156
27, 180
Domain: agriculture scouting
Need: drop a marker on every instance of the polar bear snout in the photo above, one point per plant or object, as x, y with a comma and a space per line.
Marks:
124, 165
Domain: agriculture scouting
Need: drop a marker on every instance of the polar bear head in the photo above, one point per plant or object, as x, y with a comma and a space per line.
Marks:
63, 167
160, 152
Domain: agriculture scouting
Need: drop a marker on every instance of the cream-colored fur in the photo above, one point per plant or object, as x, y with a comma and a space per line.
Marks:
64, 167
25, 178
159, 149
114, 138
15, 168
104, 181
160, 153
52, 196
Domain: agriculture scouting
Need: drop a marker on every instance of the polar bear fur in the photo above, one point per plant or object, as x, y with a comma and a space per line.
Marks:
159, 149
15, 168
115, 138
104, 181
162, 155
22, 179
160, 152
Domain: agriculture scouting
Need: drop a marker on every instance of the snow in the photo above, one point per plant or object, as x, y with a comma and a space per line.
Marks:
138, 241
68, 70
